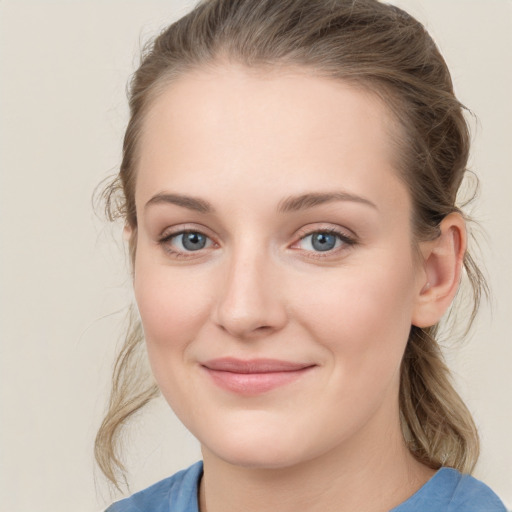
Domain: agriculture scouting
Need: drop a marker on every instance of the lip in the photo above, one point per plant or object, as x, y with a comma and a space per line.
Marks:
254, 376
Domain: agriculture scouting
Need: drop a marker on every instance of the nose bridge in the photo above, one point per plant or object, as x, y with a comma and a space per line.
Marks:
248, 302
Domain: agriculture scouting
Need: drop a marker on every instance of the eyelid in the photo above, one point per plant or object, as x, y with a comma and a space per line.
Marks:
347, 237
170, 232
183, 228
342, 231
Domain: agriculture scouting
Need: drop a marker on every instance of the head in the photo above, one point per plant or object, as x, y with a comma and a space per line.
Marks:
364, 54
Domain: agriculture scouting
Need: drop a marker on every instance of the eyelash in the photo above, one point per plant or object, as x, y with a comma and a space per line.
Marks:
165, 242
346, 242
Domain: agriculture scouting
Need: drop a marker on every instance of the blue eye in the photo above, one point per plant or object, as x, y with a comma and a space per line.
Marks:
193, 241
322, 241
189, 241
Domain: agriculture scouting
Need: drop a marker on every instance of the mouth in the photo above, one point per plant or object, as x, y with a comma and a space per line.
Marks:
255, 376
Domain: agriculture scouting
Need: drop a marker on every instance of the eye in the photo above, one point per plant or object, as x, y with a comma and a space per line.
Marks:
186, 241
323, 241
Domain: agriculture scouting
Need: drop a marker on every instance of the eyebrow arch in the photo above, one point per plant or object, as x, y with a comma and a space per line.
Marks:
304, 201
192, 203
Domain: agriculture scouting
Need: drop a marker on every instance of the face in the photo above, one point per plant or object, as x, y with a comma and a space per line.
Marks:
274, 269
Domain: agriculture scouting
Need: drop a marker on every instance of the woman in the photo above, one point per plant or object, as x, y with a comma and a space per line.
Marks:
288, 187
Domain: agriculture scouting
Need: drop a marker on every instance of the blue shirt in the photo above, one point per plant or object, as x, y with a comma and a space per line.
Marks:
447, 491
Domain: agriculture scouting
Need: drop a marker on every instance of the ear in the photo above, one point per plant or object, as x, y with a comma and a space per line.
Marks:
127, 232
440, 276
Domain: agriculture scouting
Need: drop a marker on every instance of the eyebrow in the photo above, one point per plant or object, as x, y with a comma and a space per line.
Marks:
192, 203
290, 204
304, 201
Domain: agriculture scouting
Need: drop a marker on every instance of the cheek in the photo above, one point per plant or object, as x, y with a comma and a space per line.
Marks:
363, 315
363, 320
173, 304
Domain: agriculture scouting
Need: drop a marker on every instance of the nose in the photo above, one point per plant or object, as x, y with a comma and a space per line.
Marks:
250, 302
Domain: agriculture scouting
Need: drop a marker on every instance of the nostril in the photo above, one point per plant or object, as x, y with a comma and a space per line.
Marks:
241, 330
264, 328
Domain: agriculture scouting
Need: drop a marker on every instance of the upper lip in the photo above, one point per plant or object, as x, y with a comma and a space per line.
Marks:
231, 364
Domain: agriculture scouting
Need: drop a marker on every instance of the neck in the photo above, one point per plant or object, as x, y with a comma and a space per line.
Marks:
367, 477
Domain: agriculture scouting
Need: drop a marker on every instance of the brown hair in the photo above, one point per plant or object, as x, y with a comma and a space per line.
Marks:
372, 45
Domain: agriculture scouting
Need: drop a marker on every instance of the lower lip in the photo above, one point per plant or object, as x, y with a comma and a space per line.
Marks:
254, 383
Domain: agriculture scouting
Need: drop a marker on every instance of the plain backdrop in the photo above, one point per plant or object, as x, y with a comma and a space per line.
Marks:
64, 279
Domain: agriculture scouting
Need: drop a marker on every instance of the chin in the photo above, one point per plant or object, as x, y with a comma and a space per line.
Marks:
256, 459
261, 450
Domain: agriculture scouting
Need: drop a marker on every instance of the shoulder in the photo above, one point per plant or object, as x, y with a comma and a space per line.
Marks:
471, 495
451, 491
177, 493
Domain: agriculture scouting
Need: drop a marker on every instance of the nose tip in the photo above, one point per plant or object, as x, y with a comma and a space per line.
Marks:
249, 302
242, 327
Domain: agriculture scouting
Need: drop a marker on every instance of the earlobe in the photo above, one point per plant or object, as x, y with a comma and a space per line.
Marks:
127, 232
443, 259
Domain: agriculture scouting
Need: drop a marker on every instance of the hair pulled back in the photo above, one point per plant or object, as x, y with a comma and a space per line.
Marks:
371, 45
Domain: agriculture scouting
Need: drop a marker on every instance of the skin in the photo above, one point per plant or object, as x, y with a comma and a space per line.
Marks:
245, 142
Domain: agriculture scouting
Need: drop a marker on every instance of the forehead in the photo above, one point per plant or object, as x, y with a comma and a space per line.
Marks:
281, 128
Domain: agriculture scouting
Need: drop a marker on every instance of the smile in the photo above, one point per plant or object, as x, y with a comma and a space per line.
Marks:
253, 377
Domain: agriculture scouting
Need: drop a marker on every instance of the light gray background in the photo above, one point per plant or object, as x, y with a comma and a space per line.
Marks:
64, 285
